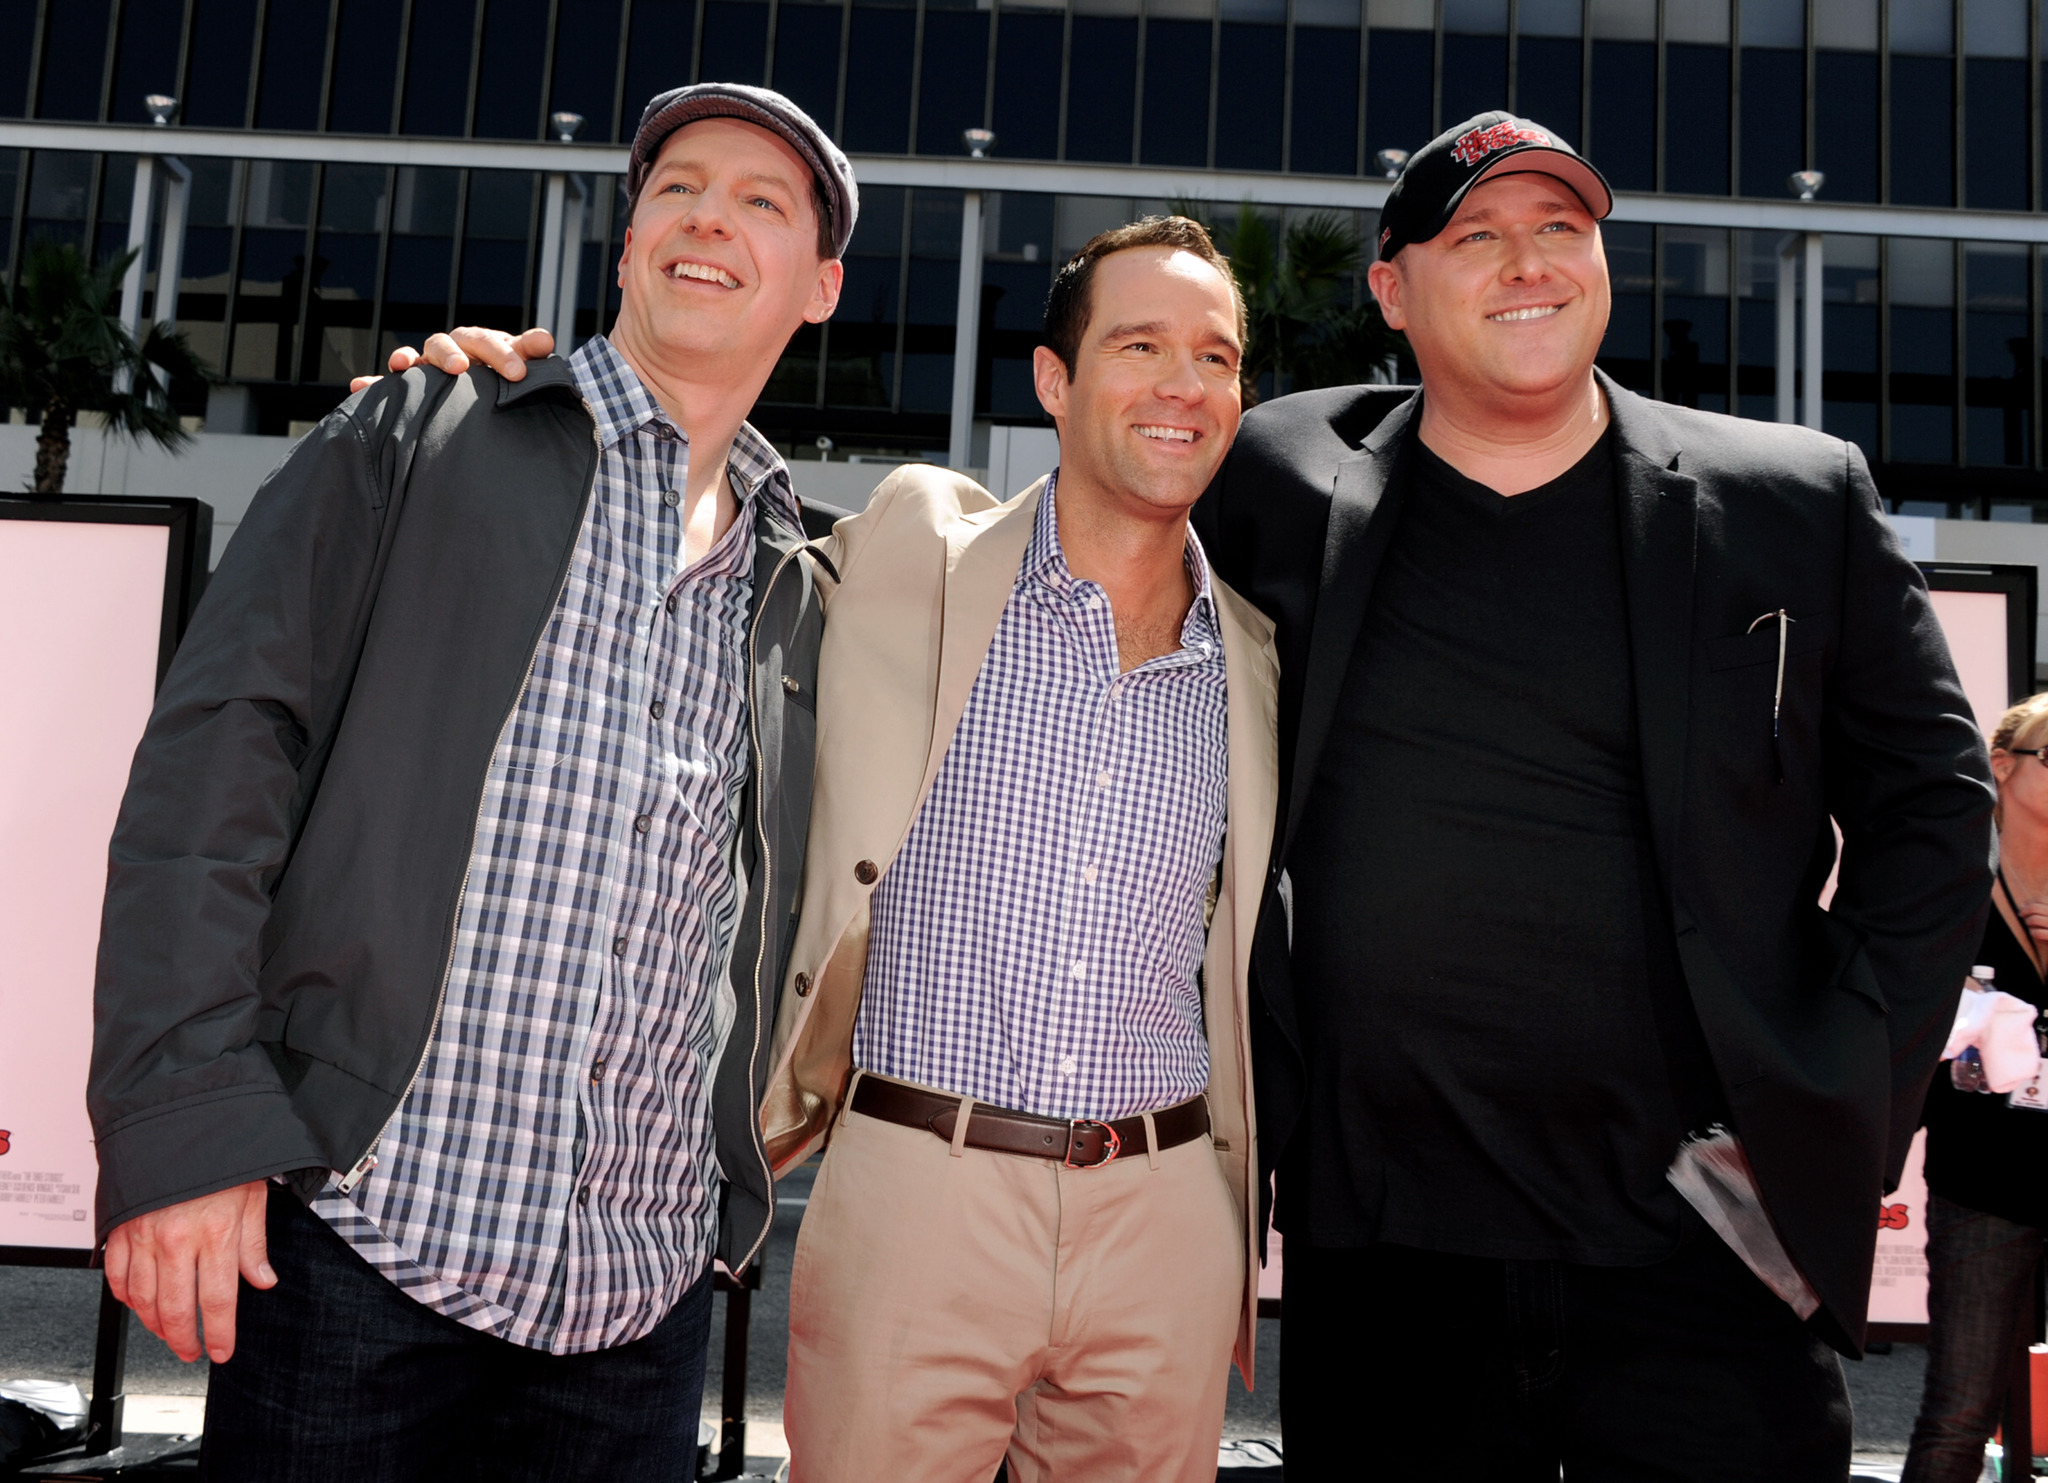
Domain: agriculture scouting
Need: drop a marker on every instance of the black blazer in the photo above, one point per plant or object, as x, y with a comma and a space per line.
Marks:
1824, 1025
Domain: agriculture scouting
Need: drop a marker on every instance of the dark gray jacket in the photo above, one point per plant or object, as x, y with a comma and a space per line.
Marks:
292, 849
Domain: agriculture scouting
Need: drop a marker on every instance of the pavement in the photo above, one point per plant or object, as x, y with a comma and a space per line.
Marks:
47, 1316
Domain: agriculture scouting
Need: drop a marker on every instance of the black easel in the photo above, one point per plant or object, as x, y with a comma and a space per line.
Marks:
732, 1400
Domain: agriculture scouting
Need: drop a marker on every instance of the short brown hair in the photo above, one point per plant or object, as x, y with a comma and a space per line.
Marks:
1069, 305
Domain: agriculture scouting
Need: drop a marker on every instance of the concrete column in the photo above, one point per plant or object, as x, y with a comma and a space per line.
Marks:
966, 333
139, 213
1816, 298
547, 293
170, 268
1788, 327
562, 322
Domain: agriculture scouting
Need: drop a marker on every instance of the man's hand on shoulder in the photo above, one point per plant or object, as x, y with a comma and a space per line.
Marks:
456, 349
179, 1265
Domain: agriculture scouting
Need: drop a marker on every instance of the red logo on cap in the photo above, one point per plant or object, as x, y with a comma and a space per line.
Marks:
1477, 145
1388, 232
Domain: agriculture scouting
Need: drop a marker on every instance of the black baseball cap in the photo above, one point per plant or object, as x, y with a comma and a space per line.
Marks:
669, 111
1440, 174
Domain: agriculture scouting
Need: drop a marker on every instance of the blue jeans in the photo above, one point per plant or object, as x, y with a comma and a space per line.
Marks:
337, 1375
1978, 1267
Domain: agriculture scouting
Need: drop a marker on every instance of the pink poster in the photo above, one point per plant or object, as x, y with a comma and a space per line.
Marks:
81, 615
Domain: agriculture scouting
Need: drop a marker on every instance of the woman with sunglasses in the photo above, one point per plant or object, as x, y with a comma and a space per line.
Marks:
1987, 1156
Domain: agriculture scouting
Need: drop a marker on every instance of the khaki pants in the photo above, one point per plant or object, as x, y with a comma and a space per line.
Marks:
948, 1308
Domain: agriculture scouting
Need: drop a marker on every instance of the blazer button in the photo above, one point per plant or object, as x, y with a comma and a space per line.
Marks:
789, 683
865, 872
803, 985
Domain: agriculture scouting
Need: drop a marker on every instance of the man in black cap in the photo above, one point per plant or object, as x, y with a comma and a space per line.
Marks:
458, 872
1581, 1105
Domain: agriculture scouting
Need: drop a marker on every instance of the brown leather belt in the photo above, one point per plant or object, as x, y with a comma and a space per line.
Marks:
1081, 1144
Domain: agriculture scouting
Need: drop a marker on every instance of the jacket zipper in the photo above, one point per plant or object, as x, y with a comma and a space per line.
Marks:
767, 896
362, 1166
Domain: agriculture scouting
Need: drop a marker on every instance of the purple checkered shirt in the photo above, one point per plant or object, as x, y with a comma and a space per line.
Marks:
1038, 941
549, 1177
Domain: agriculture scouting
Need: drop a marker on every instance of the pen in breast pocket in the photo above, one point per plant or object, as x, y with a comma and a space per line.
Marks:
1785, 622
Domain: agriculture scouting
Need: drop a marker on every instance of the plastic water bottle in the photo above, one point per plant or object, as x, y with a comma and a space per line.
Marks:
1966, 1071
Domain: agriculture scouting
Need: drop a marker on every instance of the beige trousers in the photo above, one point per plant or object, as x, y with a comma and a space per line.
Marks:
949, 1306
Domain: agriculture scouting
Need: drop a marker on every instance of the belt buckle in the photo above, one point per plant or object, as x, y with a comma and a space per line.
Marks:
1112, 1145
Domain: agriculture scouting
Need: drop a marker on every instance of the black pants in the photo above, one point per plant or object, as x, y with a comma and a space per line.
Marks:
338, 1377
1400, 1364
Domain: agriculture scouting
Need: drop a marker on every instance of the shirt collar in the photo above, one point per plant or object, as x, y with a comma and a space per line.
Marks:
623, 405
1045, 565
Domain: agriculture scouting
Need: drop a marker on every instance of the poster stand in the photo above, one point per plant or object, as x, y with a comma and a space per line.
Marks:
188, 539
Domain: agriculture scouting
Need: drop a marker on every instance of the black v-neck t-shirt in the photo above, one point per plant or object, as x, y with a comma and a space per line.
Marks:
1502, 1059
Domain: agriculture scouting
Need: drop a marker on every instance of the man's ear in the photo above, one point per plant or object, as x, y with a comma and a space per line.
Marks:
1384, 279
1049, 375
825, 292
625, 251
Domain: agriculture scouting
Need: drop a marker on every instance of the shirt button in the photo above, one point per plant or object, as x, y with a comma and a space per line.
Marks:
1068, 1066
597, 1071
671, 603
657, 710
583, 1196
1087, 875
1080, 969
644, 823
865, 872
618, 947
671, 497
1102, 778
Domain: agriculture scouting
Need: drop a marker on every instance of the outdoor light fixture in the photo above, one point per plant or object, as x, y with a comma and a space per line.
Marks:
979, 142
565, 125
1805, 184
825, 444
162, 109
1391, 162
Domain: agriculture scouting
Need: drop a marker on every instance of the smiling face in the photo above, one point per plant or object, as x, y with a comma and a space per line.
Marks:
1510, 300
721, 262
1153, 401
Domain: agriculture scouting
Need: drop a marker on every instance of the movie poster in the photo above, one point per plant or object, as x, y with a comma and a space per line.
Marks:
81, 617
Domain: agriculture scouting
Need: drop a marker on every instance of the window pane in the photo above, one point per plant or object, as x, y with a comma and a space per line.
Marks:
1397, 90
1550, 18
1922, 289
217, 81
1625, 353
932, 301
878, 54
861, 357
10, 180
1018, 273
1250, 75
1995, 28
1997, 396
353, 203
437, 68
276, 203
1101, 88
586, 78
147, 59
1775, 23
206, 272
1846, 25
1028, 85
294, 62
1923, 122
1696, 120
1547, 84
59, 196
1325, 100
1923, 27
955, 90
365, 66
1177, 93
1773, 118
1701, 21
1476, 17
509, 73
1475, 76
17, 36
1845, 122
735, 41
1625, 20
1696, 318
416, 279
1756, 325
807, 58
657, 56
74, 58
492, 290
1624, 143
1849, 341
1995, 116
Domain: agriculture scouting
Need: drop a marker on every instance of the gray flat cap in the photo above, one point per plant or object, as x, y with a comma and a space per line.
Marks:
678, 106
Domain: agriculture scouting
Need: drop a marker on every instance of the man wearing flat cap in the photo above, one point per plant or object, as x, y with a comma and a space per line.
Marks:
1581, 1104
457, 874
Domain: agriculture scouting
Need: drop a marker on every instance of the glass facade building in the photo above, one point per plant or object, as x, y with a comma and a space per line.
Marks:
298, 272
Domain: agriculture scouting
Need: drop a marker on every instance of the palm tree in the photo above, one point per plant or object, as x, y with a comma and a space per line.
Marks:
1298, 286
64, 350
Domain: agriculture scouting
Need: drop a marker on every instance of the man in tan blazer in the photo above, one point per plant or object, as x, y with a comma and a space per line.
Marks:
1015, 1011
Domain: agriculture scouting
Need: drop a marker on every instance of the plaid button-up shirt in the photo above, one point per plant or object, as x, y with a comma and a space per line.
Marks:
1038, 941
549, 1177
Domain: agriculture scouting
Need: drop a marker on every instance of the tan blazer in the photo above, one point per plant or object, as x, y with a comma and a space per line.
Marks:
925, 572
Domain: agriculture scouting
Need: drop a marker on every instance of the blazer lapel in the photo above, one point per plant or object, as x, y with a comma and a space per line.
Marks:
1659, 518
983, 553
1364, 505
